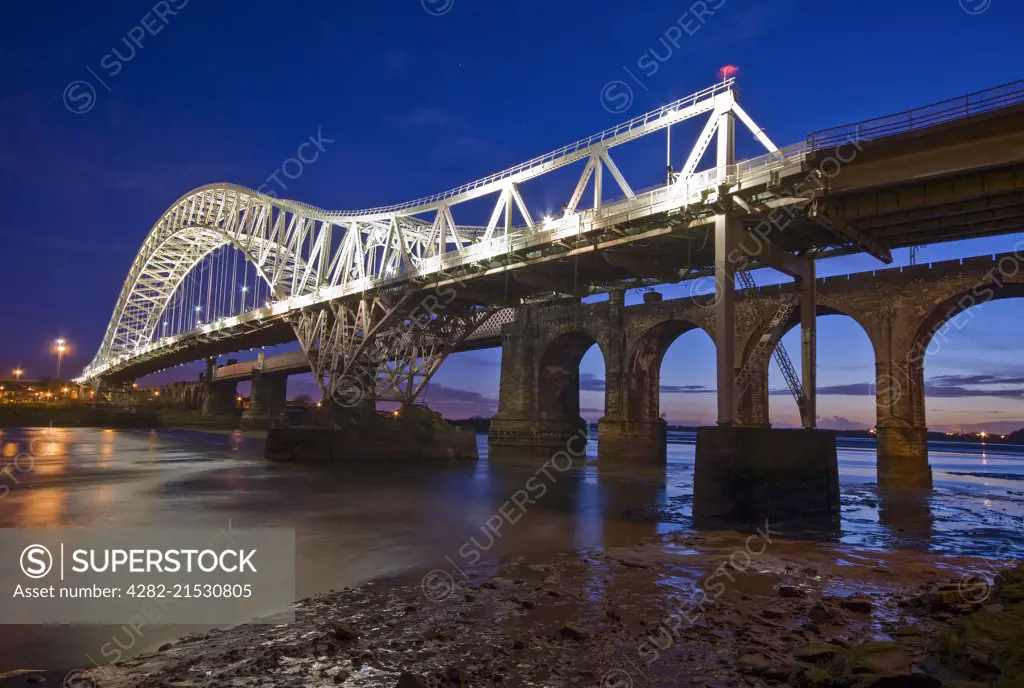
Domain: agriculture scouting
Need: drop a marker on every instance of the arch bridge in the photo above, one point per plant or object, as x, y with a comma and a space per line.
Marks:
378, 297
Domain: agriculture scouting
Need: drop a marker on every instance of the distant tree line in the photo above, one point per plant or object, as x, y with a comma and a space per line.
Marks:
480, 424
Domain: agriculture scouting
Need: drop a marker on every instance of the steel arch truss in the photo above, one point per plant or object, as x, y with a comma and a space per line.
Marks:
383, 348
270, 238
294, 248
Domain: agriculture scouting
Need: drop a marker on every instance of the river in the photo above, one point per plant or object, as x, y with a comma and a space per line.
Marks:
356, 523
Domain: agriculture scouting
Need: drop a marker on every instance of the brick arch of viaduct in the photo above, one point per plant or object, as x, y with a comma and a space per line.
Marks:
213, 398
187, 395
905, 313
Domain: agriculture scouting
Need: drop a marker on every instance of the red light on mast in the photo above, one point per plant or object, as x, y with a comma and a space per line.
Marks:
728, 71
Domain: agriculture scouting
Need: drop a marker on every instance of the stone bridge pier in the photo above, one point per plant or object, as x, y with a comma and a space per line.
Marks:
219, 396
539, 397
898, 390
632, 429
267, 398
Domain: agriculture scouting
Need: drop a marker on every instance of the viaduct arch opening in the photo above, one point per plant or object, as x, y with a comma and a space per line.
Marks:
663, 363
846, 364
953, 394
634, 429
558, 378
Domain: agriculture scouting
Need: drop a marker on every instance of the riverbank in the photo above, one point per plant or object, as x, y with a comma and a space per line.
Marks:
82, 416
712, 609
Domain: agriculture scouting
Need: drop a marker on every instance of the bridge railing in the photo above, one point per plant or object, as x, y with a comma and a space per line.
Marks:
945, 111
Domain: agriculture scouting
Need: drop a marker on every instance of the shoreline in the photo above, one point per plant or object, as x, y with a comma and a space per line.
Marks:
106, 419
714, 608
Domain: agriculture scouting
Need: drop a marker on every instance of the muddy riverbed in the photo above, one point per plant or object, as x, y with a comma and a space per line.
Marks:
715, 609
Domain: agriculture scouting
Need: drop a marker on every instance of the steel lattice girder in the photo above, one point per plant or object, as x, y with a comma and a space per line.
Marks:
383, 348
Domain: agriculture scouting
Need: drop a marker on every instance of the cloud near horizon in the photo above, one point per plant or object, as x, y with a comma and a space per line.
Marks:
941, 386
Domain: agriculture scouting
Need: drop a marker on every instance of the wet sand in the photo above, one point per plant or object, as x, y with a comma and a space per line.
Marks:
714, 609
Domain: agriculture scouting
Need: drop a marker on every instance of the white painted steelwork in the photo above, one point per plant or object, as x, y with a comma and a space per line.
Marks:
312, 257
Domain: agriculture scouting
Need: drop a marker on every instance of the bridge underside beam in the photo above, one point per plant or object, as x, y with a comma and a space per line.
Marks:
269, 333
643, 265
908, 221
755, 246
559, 283
830, 216
508, 294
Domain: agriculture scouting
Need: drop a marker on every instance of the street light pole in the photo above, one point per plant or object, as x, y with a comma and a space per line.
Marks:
61, 348
18, 372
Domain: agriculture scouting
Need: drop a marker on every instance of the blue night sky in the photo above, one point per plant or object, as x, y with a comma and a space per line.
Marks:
421, 95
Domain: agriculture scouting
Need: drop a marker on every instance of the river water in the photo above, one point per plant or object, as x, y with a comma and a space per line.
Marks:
356, 523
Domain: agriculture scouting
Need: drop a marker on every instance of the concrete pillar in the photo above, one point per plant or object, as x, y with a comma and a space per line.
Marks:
267, 398
899, 397
753, 473
809, 344
749, 475
726, 231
